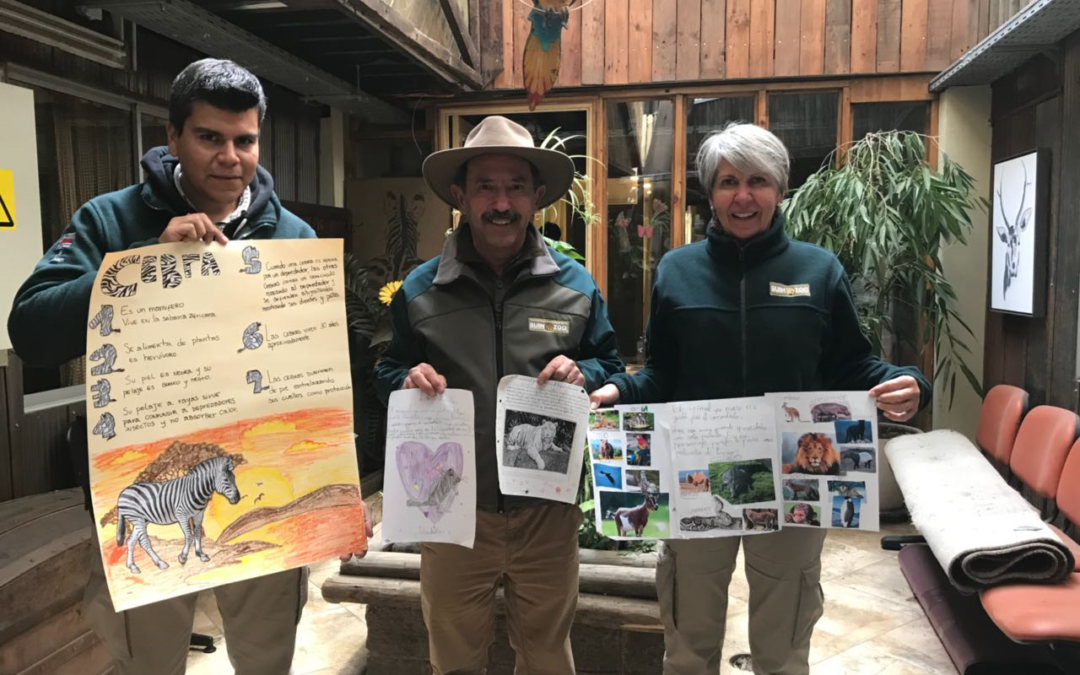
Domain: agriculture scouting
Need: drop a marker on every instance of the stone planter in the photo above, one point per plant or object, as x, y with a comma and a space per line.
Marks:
616, 629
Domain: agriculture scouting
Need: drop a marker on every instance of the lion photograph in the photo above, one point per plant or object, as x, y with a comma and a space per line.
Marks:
813, 453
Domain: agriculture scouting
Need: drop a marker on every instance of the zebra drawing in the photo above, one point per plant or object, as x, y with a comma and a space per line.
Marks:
107, 355
103, 321
173, 501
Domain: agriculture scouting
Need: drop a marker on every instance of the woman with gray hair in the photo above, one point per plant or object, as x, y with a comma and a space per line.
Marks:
746, 312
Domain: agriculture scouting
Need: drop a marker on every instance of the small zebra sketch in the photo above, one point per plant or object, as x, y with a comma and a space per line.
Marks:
253, 339
107, 355
103, 321
251, 259
102, 393
181, 500
254, 377
106, 427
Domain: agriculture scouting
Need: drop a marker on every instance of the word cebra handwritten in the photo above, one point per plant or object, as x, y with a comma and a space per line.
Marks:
173, 271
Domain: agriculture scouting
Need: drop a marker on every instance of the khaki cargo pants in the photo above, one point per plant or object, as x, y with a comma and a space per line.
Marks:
259, 615
535, 553
784, 574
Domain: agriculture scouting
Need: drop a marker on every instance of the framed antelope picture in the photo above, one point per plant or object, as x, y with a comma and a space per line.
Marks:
1018, 234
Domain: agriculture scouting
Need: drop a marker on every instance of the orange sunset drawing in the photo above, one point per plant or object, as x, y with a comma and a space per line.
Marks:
259, 496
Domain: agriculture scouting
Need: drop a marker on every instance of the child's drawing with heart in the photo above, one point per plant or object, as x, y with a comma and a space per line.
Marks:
430, 478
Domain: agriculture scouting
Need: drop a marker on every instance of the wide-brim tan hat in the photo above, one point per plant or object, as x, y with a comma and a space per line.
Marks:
498, 135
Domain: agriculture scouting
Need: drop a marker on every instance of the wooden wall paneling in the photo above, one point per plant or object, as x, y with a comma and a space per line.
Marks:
678, 176
901, 88
983, 20
7, 425
570, 67
788, 37
665, 28
592, 42
844, 129
1015, 328
617, 42
490, 42
505, 78
1063, 390
960, 39
738, 39
521, 33
13, 386
837, 36
688, 39
713, 35
641, 33
913, 17
932, 147
993, 340
1039, 365
762, 25
761, 109
939, 33
864, 36
888, 36
812, 43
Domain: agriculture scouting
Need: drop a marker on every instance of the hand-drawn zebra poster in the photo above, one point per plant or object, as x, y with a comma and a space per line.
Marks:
220, 415
429, 491
540, 437
829, 458
631, 475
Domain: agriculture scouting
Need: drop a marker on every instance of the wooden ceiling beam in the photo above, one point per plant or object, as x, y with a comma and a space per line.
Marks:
459, 28
410, 40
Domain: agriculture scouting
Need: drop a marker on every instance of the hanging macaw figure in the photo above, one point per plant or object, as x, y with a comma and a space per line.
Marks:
543, 48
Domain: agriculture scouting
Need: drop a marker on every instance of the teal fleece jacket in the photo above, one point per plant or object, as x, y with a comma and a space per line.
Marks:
49, 316
734, 318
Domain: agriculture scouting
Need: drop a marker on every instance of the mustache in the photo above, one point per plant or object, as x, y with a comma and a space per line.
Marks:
510, 214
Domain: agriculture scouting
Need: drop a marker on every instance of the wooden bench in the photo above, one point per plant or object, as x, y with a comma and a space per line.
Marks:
44, 566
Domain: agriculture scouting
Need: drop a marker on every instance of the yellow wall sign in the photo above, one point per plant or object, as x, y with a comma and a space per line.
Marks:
7, 199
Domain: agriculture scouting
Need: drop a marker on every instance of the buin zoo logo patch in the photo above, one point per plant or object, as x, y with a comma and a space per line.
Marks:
785, 291
549, 326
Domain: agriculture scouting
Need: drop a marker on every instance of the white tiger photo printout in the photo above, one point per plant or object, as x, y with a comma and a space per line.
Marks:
429, 492
540, 437
220, 427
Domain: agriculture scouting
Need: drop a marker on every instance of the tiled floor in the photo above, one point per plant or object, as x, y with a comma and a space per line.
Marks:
872, 623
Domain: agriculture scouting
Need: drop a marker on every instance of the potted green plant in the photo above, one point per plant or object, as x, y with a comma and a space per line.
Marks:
886, 212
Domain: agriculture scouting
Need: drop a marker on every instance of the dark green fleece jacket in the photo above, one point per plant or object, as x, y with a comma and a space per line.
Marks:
50, 313
473, 327
734, 318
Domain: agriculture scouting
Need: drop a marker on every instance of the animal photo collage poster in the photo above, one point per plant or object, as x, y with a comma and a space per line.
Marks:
737, 466
220, 425
829, 455
631, 477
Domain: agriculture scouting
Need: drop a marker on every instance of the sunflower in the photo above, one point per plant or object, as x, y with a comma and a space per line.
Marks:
386, 293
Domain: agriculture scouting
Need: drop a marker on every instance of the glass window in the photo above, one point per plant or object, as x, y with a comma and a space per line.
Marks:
560, 220
899, 116
807, 124
153, 132
392, 157
703, 117
640, 151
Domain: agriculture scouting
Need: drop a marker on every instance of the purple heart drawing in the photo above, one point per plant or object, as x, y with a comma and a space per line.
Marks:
430, 478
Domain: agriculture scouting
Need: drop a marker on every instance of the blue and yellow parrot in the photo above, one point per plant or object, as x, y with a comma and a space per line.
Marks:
543, 48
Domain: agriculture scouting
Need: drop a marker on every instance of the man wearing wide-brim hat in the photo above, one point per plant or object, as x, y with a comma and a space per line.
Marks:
499, 302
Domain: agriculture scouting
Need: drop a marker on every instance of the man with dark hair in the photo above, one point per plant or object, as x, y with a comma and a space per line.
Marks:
207, 186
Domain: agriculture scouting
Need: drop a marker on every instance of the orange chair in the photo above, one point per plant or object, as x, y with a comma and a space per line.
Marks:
1038, 455
1041, 613
999, 421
